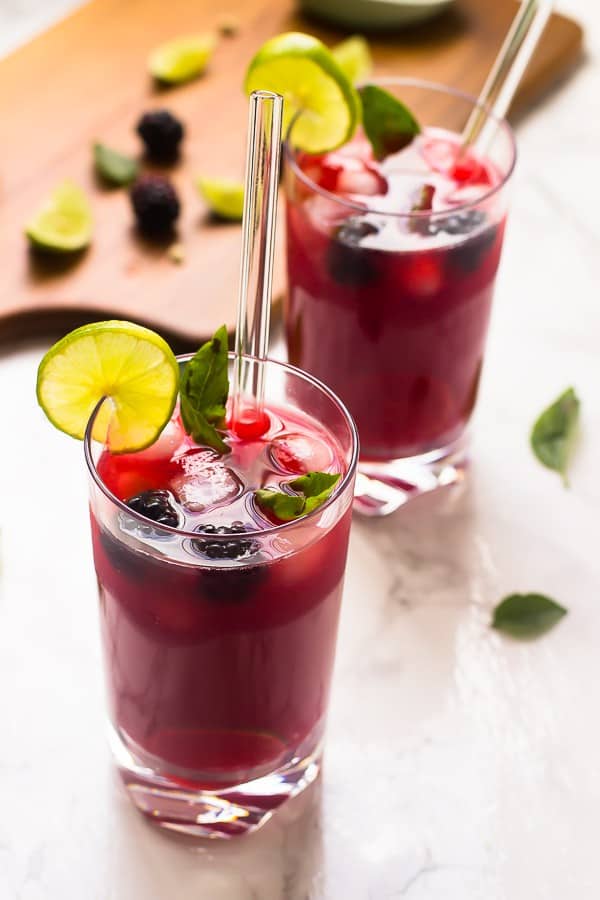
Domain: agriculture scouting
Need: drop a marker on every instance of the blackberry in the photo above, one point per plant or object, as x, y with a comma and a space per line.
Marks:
155, 505
463, 222
468, 255
347, 261
238, 548
161, 133
155, 204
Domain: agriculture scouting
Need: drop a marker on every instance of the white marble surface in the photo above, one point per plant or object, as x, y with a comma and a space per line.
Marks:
460, 765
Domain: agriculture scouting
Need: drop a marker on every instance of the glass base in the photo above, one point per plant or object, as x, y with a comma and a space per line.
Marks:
384, 486
222, 813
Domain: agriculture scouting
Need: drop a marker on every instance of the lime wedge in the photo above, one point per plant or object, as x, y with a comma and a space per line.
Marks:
131, 366
225, 196
354, 58
64, 223
181, 59
304, 72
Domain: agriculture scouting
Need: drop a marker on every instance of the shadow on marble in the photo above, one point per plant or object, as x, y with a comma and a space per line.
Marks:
281, 861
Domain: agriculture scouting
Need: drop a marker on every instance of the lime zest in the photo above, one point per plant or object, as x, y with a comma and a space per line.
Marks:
128, 366
64, 223
224, 196
182, 59
301, 68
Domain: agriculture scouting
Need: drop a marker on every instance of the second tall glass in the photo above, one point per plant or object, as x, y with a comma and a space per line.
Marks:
389, 296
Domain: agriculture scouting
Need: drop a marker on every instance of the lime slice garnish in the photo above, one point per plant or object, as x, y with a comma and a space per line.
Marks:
354, 58
64, 223
304, 72
225, 196
131, 366
181, 59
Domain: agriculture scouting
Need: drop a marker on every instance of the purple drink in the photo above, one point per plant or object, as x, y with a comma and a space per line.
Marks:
219, 621
391, 270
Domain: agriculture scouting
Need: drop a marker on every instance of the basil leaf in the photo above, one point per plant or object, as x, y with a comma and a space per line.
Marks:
316, 487
114, 167
204, 389
311, 489
553, 434
388, 123
284, 506
527, 615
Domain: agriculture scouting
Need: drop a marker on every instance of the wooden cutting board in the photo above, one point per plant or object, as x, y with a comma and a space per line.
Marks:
86, 79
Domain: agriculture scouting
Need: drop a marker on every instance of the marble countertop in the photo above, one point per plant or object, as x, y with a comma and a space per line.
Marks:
460, 764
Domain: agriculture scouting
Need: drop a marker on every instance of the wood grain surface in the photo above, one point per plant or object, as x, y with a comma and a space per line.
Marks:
86, 79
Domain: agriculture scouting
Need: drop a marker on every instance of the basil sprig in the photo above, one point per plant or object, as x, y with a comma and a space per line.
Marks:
310, 491
388, 123
204, 390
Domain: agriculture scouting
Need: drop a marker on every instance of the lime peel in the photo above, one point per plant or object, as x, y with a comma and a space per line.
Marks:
182, 58
128, 365
302, 69
64, 223
353, 55
224, 196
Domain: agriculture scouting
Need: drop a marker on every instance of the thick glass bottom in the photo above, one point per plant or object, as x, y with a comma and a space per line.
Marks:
382, 487
182, 805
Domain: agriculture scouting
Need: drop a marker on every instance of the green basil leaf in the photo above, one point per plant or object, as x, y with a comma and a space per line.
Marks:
311, 490
553, 434
316, 488
114, 167
284, 506
527, 615
201, 430
204, 390
389, 124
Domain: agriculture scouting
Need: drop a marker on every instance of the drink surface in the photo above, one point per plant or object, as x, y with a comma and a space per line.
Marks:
219, 648
389, 298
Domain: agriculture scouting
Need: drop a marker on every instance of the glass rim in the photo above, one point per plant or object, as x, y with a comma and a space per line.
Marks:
501, 123
339, 490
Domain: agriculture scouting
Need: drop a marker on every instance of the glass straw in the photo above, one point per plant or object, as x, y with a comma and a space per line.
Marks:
263, 157
507, 71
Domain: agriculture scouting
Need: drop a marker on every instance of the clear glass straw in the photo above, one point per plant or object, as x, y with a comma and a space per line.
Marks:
507, 71
263, 157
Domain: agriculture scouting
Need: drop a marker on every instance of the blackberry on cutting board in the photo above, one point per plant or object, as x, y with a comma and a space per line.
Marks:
155, 204
162, 134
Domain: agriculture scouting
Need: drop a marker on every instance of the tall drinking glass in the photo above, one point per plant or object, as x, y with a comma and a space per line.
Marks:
219, 642
391, 270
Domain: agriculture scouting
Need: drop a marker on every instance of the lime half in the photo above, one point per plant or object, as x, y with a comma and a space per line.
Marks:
354, 58
182, 59
131, 366
304, 72
64, 223
224, 196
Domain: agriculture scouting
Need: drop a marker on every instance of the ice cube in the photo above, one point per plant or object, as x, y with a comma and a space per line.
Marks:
204, 482
439, 154
324, 212
166, 446
365, 181
469, 193
298, 453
